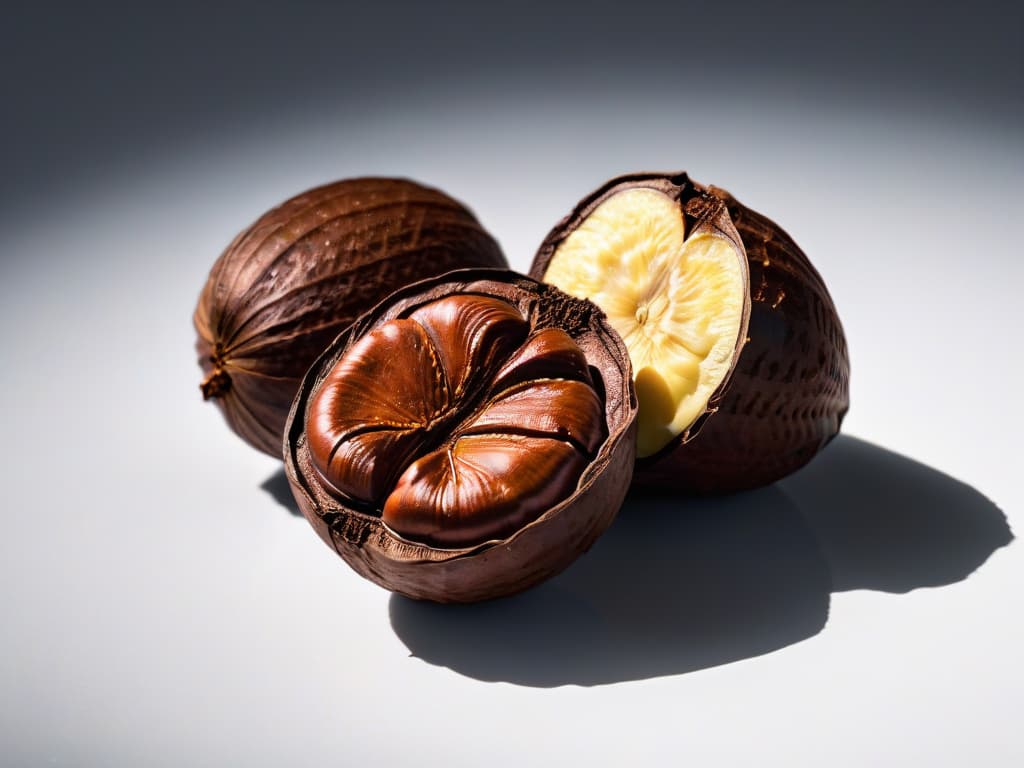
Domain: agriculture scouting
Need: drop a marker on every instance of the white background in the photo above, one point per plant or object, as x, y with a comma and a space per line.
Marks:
162, 606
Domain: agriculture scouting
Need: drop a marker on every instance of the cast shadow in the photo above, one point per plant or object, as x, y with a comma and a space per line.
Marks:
671, 587
677, 585
277, 487
888, 523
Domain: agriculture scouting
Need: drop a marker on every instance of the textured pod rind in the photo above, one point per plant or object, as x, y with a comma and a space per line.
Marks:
788, 390
287, 285
539, 549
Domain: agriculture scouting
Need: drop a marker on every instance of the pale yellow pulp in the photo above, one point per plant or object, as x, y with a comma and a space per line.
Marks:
677, 302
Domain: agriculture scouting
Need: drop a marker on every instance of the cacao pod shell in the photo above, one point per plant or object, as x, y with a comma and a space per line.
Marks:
299, 275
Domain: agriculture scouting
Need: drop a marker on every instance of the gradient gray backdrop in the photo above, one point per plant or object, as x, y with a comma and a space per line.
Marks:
162, 607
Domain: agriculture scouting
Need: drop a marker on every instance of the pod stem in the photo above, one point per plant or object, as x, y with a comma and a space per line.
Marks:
217, 384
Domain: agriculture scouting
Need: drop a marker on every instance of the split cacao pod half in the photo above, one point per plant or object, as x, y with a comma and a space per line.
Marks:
741, 364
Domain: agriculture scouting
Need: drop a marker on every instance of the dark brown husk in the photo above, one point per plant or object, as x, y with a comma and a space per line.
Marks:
538, 550
297, 277
789, 387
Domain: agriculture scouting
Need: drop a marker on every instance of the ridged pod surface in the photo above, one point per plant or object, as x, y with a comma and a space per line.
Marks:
288, 284
512, 558
788, 390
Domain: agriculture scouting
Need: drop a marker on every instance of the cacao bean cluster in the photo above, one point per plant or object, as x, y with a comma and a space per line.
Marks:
456, 431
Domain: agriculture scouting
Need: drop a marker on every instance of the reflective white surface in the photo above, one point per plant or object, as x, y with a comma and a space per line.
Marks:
161, 607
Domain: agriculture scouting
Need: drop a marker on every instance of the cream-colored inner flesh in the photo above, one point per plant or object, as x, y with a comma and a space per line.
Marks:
677, 302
